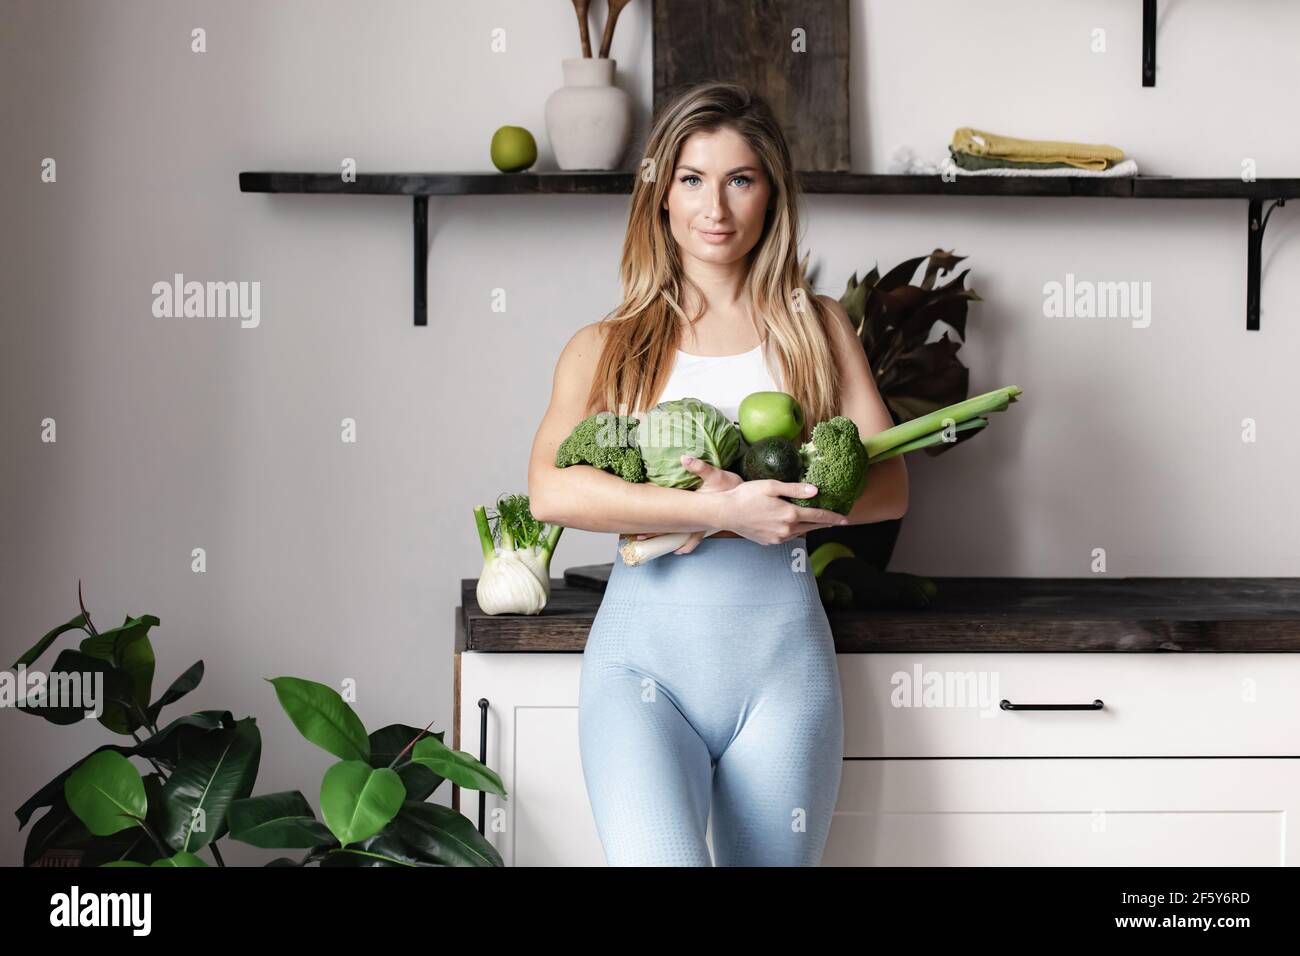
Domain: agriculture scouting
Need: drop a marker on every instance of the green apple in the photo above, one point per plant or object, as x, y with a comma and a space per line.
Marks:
513, 149
768, 414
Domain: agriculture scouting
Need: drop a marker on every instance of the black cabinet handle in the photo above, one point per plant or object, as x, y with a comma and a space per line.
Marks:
1095, 705
482, 758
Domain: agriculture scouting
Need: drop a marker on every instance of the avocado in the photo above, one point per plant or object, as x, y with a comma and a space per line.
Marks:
773, 457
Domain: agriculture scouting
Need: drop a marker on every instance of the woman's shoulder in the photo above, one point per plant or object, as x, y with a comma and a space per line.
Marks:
834, 306
838, 324
586, 342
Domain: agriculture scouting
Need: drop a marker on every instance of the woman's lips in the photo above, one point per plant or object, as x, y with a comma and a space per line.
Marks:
716, 237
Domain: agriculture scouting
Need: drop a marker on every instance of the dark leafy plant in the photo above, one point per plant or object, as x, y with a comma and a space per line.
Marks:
914, 373
895, 321
102, 811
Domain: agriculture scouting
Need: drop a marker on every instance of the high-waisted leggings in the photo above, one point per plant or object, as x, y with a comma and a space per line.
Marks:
709, 682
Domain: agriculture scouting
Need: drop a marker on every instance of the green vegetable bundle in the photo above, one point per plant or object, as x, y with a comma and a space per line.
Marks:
836, 459
650, 448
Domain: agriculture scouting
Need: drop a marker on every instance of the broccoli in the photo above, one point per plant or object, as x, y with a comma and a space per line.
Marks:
605, 441
836, 462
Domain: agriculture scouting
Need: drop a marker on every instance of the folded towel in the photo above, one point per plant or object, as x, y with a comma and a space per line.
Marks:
906, 162
1128, 167
979, 142
970, 161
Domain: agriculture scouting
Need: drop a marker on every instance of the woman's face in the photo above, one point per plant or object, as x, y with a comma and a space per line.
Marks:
717, 202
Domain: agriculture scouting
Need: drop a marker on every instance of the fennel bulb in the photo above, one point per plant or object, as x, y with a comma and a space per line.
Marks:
516, 576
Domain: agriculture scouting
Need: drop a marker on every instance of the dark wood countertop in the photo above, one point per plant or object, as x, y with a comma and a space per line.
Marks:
1049, 615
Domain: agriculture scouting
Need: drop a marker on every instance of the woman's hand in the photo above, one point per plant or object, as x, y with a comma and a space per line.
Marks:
714, 480
756, 510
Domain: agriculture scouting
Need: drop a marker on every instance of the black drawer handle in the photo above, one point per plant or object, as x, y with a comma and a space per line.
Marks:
1095, 705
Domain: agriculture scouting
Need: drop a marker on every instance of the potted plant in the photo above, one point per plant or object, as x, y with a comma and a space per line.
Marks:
102, 811
914, 372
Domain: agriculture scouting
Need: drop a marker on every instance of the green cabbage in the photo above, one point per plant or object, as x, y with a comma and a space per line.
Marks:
685, 426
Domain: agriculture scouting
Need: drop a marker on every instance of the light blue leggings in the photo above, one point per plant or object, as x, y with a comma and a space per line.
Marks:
712, 674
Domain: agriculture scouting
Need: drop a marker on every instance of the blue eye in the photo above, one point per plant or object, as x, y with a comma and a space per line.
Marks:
745, 179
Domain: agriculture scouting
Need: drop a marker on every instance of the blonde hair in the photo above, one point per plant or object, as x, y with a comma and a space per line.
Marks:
644, 332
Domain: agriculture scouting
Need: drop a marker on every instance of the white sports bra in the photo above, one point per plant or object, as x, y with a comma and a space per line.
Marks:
721, 380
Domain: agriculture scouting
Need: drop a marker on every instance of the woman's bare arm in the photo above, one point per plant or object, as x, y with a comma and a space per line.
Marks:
885, 496
585, 497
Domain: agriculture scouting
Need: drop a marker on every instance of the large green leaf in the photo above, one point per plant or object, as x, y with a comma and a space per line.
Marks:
106, 792
438, 834
457, 766
323, 717
384, 849
387, 742
60, 829
162, 746
281, 820
128, 648
39, 648
168, 744
179, 688
105, 644
422, 834
357, 800
216, 769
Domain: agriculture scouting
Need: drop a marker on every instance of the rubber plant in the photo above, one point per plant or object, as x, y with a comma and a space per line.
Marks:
907, 333
102, 811
374, 800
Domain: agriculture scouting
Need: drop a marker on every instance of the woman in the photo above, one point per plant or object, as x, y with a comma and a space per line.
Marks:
709, 679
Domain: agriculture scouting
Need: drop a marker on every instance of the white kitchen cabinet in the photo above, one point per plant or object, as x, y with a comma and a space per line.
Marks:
1193, 759
1007, 811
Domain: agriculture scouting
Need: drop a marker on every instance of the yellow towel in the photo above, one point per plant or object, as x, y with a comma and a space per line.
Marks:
977, 142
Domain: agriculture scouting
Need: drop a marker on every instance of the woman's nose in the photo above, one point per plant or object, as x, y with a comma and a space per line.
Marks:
717, 208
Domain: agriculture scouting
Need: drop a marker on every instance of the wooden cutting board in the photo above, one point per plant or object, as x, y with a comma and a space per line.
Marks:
592, 576
793, 53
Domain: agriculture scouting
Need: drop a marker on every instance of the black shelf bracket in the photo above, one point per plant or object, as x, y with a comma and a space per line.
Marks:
1148, 42
1254, 246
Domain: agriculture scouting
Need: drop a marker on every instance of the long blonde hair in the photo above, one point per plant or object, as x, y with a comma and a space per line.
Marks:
644, 332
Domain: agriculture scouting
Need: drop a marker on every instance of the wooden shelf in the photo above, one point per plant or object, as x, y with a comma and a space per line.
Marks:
420, 186
866, 184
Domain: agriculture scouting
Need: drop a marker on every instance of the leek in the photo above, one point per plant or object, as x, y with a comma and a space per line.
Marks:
994, 401
934, 438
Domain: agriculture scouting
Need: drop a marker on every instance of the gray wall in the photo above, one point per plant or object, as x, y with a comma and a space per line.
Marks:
334, 561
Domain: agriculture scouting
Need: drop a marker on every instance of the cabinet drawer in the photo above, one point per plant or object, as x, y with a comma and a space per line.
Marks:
1010, 812
1187, 705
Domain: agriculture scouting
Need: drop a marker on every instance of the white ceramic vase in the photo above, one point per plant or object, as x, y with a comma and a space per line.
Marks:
589, 119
